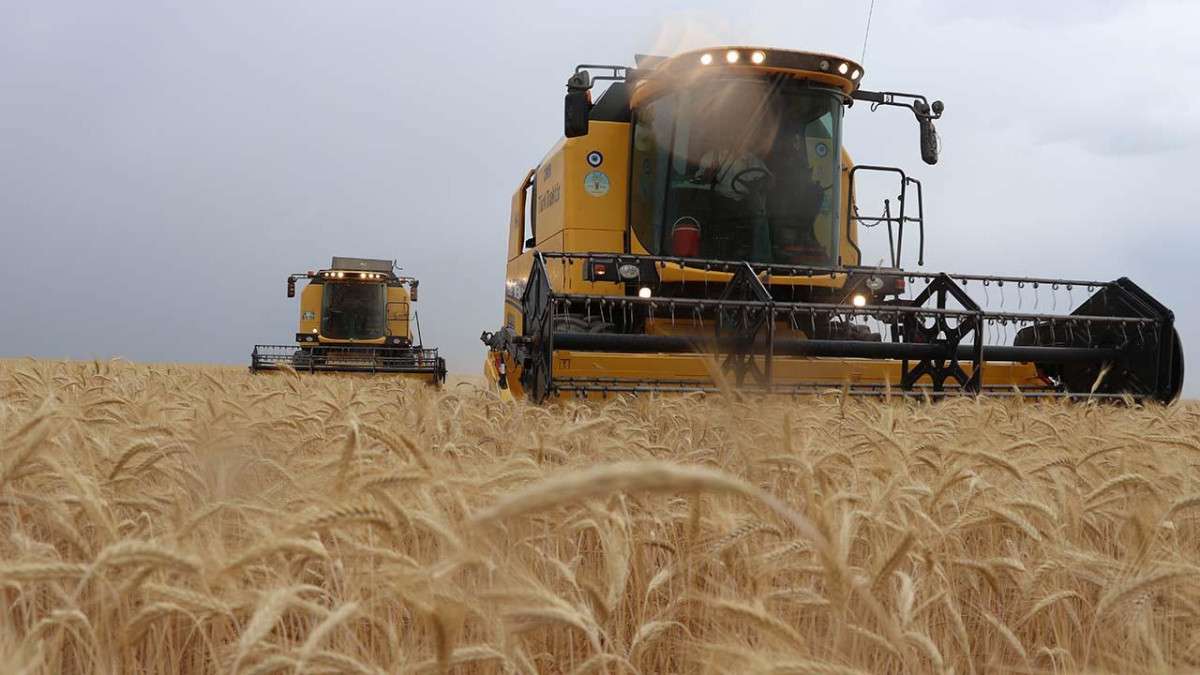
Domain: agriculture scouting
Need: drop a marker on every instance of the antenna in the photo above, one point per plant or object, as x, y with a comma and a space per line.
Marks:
867, 33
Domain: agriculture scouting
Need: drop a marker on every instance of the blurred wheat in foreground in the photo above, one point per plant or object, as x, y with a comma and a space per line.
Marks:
203, 520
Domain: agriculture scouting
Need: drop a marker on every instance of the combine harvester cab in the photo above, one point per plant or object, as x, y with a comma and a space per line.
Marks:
697, 229
354, 318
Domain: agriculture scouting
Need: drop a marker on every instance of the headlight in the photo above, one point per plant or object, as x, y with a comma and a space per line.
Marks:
874, 283
644, 292
859, 300
628, 272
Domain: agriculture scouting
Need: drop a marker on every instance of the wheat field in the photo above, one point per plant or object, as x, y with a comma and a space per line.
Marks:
160, 519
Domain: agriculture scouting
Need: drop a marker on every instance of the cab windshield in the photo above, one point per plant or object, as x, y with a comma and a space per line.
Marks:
353, 311
739, 169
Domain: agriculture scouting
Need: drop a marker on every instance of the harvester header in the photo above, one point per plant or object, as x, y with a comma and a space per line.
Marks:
698, 227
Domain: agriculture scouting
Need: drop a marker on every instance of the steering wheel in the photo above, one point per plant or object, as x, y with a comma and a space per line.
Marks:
741, 181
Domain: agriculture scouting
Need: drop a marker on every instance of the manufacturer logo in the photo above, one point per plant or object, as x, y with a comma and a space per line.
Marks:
596, 183
822, 149
595, 159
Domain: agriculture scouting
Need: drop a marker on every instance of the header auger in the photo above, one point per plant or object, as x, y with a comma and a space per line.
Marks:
698, 228
354, 318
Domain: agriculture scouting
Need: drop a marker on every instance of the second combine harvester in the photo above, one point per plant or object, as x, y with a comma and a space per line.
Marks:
355, 318
698, 228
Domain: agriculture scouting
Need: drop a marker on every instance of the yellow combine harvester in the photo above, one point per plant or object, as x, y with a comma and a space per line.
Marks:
354, 318
698, 226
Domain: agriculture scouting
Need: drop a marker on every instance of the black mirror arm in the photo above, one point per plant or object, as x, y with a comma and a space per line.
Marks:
917, 103
611, 74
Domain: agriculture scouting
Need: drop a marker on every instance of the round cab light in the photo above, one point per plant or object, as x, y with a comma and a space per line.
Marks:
844, 68
732, 56
859, 300
758, 57
824, 65
706, 59
855, 74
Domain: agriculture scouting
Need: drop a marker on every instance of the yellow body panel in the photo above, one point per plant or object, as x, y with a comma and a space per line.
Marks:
310, 308
704, 370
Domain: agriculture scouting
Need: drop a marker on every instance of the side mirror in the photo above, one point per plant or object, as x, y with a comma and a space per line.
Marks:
929, 137
412, 290
578, 105
291, 287
929, 142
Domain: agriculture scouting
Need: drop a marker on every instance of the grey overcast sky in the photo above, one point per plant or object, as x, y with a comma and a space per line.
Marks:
164, 165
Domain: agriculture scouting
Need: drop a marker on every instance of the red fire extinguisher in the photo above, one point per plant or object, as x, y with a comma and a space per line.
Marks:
685, 237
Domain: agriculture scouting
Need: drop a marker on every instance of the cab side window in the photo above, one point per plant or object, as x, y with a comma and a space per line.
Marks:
531, 217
